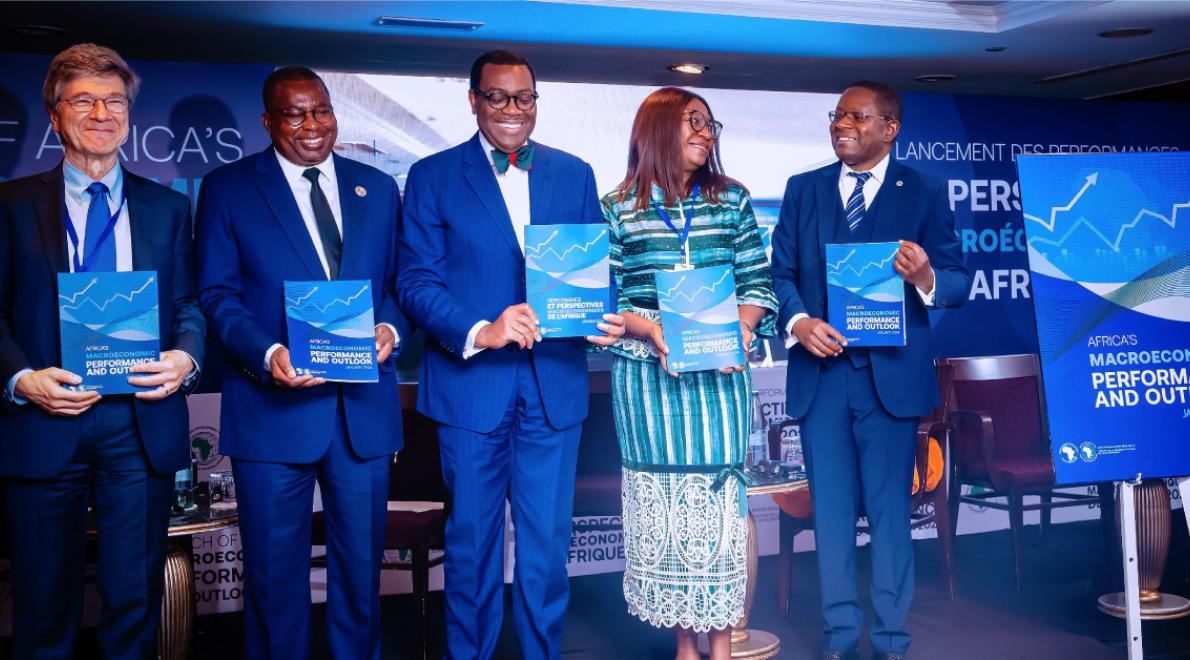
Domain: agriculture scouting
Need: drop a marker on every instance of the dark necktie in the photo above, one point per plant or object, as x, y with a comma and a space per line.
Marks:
98, 217
855, 204
324, 219
522, 158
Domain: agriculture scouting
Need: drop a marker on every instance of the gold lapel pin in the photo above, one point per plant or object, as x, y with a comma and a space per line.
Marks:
361, 191
899, 184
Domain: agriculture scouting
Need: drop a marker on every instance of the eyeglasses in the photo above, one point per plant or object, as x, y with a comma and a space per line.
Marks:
117, 105
498, 99
295, 117
856, 117
699, 121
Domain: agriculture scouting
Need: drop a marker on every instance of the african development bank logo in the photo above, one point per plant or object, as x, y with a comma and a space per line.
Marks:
204, 446
1086, 452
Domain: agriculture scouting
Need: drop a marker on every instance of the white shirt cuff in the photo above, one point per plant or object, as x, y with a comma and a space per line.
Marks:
469, 348
268, 357
12, 387
790, 339
928, 298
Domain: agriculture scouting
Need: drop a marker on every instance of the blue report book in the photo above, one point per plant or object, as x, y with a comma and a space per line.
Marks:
332, 330
700, 318
865, 295
108, 322
567, 278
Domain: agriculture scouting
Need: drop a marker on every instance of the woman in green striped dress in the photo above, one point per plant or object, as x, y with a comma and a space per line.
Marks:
682, 437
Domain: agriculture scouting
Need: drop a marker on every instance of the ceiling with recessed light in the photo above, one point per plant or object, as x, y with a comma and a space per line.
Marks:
1022, 48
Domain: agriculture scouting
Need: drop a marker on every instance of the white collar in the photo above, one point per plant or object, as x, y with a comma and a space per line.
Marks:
293, 171
878, 171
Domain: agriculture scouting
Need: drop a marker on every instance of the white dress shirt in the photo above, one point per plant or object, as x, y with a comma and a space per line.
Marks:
514, 188
846, 188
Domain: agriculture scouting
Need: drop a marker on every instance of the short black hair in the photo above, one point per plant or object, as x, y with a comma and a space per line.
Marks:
287, 74
887, 97
499, 57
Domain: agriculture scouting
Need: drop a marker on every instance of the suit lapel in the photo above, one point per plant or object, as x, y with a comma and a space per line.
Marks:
830, 206
353, 209
478, 172
50, 209
270, 180
141, 224
541, 187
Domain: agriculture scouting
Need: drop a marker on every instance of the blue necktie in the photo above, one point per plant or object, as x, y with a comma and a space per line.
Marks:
855, 204
98, 217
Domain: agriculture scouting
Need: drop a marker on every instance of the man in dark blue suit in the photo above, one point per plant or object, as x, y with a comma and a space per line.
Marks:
509, 402
296, 212
62, 449
859, 407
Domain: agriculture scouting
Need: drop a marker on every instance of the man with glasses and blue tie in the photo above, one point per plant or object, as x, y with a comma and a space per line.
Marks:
859, 407
509, 402
298, 212
62, 448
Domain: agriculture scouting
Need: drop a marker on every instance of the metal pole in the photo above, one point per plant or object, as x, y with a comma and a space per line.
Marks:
1131, 579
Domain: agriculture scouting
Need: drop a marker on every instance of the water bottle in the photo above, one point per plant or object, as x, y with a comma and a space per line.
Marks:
758, 438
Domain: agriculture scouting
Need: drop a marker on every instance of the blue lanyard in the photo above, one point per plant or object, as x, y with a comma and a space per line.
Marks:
84, 265
685, 233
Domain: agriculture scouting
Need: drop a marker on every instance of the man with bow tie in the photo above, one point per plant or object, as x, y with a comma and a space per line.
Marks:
509, 402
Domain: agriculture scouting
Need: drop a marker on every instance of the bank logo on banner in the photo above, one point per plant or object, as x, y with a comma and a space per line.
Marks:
204, 447
1109, 251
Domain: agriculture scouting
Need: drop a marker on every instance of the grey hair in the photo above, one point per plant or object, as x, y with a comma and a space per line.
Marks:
86, 60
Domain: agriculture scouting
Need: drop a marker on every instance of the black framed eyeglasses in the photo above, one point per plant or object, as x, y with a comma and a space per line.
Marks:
699, 121
856, 117
295, 117
117, 105
498, 99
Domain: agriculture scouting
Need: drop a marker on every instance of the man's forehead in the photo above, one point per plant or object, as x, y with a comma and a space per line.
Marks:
291, 92
83, 83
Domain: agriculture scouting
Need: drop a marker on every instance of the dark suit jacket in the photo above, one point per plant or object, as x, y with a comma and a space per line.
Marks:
33, 251
461, 262
910, 206
251, 239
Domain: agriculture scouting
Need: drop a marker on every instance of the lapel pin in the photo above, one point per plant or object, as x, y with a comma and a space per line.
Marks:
361, 191
899, 184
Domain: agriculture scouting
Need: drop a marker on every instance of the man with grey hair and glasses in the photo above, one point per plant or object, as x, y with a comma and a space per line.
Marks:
64, 447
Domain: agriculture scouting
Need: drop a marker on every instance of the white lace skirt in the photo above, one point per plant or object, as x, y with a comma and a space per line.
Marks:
685, 546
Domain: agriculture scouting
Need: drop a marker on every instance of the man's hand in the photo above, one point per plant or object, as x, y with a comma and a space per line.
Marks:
657, 336
818, 337
44, 388
516, 325
913, 264
285, 376
168, 372
613, 329
385, 341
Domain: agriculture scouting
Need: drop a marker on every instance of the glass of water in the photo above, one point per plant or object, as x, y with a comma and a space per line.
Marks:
222, 487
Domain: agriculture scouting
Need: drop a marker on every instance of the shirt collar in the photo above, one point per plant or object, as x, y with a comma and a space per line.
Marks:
77, 181
293, 171
877, 171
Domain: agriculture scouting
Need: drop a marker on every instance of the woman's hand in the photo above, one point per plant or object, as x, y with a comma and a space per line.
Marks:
658, 338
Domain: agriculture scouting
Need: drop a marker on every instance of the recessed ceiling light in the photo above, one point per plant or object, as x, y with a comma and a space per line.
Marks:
688, 68
432, 23
996, 49
935, 78
1124, 33
38, 30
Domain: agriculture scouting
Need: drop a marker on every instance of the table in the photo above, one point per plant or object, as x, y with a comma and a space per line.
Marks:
758, 644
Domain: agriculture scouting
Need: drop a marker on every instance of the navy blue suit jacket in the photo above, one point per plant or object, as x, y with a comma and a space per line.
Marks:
910, 206
461, 263
34, 443
251, 239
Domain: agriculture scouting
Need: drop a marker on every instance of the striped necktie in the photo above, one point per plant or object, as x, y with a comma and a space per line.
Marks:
855, 204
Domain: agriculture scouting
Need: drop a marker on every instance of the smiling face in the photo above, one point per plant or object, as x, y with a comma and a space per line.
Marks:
310, 142
862, 144
509, 127
696, 146
93, 135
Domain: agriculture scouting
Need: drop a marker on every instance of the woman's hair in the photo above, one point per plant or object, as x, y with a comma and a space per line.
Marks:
655, 151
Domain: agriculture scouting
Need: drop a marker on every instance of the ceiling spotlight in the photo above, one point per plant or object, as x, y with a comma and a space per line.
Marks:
690, 69
996, 49
38, 30
935, 78
1124, 33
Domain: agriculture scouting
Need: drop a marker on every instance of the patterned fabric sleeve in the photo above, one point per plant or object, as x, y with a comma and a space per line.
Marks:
615, 250
753, 281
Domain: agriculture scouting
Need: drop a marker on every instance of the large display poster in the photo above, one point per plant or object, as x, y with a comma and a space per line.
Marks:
1109, 251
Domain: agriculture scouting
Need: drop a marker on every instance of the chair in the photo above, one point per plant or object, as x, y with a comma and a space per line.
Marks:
1001, 443
930, 501
415, 478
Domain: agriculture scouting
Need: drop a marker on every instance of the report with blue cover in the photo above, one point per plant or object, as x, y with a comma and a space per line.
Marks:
700, 318
332, 331
567, 277
865, 295
108, 322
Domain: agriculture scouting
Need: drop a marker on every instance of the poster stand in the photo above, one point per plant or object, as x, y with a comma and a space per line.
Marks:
1131, 576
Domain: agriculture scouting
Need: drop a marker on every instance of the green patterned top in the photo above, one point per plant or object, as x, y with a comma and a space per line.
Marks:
722, 232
